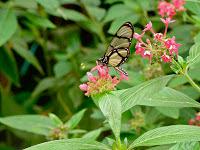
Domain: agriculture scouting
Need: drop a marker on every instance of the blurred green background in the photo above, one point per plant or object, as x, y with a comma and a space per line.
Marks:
47, 46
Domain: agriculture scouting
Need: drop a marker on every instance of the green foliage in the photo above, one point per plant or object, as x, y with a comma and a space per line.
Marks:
46, 48
73, 144
168, 135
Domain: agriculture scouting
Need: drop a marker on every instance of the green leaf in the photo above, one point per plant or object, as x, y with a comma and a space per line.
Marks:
8, 25
169, 97
116, 11
97, 12
110, 106
23, 51
51, 5
169, 111
76, 118
31, 123
193, 6
30, 4
137, 94
55, 119
168, 135
62, 68
73, 15
93, 135
197, 38
194, 55
70, 144
186, 146
133, 18
40, 21
8, 66
43, 85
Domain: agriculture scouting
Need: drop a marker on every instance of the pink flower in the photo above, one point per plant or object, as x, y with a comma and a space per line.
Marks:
91, 77
166, 58
179, 4
166, 9
137, 36
100, 83
83, 87
139, 49
158, 36
172, 46
148, 27
191, 122
167, 21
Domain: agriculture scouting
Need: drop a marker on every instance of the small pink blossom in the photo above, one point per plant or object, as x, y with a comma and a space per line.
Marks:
179, 4
91, 77
191, 122
158, 36
166, 58
139, 49
172, 46
167, 21
100, 83
166, 9
83, 87
148, 27
137, 36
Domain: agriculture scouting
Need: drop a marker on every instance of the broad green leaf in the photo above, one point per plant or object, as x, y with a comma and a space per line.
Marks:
43, 85
169, 111
31, 123
70, 144
168, 97
186, 146
8, 66
76, 118
168, 135
110, 106
197, 38
160, 147
91, 3
193, 6
40, 21
8, 25
62, 68
116, 11
30, 4
194, 55
23, 51
69, 14
137, 94
93, 135
133, 18
97, 12
51, 5
55, 119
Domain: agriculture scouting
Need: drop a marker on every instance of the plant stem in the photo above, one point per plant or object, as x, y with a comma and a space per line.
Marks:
191, 81
65, 107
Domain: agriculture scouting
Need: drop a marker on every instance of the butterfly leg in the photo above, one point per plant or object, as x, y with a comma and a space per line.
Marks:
121, 70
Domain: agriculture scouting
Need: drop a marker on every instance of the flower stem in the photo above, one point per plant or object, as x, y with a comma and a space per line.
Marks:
191, 81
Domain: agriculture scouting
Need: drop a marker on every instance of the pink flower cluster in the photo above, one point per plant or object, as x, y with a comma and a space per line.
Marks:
167, 9
160, 47
102, 82
195, 121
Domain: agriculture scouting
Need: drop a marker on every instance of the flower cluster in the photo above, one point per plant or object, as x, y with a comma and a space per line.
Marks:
102, 82
195, 121
160, 47
167, 9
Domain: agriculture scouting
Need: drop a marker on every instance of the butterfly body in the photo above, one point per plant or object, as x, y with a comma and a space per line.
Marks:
118, 51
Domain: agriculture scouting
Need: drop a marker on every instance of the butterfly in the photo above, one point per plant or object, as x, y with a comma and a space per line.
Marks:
118, 51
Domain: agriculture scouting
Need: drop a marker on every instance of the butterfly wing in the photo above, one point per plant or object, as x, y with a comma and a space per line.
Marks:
118, 50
